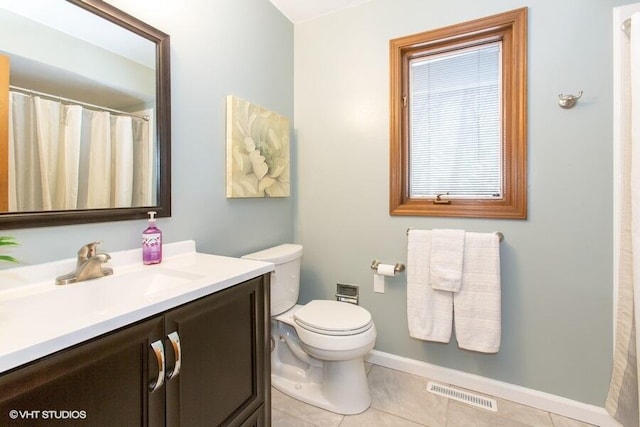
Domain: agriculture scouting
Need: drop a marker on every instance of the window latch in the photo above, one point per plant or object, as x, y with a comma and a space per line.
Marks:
438, 200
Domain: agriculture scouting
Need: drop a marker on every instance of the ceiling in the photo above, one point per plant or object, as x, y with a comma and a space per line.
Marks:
305, 10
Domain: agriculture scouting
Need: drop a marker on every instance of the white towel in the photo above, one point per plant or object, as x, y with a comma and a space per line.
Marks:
477, 304
447, 250
429, 311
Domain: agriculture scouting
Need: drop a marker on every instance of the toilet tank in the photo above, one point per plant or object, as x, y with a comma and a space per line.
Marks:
285, 280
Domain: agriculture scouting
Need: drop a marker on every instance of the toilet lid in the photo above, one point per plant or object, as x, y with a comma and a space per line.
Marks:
333, 318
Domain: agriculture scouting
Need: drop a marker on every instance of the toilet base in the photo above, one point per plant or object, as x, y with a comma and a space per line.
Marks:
339, 387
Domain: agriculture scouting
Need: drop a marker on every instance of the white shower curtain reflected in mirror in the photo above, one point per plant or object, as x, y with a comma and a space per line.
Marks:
622, 399
69, 157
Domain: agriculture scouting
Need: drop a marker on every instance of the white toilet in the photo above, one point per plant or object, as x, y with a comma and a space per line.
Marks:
317, 348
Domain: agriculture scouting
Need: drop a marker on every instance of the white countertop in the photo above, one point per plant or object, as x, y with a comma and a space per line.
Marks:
38, 318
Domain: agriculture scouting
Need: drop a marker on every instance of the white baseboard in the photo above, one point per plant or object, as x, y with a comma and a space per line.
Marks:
545, 401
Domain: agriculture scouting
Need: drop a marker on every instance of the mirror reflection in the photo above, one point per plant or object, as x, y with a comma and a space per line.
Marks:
81, 111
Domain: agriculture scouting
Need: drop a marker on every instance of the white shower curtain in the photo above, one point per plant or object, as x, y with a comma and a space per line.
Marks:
622, 401
47, 133
122, 166
70, 157
143, 159
99, 175
25, 191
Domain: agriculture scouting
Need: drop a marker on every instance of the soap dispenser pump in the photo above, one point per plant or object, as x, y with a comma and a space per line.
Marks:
152, 242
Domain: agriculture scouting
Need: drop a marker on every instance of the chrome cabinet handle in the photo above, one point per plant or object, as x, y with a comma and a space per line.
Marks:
158, 350
174, 338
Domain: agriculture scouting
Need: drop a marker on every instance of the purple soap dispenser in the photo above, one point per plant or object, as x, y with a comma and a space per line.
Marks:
152, 242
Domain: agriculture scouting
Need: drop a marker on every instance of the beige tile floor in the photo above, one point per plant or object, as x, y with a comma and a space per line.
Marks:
400, 400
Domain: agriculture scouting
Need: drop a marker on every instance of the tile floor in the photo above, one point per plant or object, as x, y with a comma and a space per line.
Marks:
399, 399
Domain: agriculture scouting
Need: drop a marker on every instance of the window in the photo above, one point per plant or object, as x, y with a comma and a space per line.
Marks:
458, 120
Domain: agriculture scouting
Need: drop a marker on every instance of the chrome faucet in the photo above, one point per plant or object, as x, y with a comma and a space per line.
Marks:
89, 266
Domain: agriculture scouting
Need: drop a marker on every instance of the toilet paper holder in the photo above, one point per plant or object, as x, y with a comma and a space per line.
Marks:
397, 267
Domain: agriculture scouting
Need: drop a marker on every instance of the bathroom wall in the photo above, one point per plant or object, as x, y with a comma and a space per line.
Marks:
102, 64
556, 265
240, 47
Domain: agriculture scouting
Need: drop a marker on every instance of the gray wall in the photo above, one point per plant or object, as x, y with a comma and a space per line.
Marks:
217, 48
556, 265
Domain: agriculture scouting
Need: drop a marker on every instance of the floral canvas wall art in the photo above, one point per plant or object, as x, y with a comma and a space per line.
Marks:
257, 151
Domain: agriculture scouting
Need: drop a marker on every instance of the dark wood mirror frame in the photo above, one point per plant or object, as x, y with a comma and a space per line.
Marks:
163, 151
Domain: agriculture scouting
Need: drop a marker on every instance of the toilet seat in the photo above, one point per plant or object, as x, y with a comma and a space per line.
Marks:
333, 318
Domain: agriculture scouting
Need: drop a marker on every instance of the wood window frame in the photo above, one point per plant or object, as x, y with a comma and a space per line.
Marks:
510, 28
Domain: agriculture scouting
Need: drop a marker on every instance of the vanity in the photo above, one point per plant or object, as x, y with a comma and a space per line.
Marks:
181, 343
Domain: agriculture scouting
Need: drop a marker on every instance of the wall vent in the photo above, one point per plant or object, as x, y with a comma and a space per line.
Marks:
463, 396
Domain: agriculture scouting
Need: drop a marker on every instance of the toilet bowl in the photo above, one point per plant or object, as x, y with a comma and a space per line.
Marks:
317, 348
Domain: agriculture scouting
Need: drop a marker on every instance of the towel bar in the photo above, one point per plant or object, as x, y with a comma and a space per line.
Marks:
499, 234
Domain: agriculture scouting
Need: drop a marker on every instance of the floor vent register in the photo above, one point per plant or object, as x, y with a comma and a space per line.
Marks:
463, 396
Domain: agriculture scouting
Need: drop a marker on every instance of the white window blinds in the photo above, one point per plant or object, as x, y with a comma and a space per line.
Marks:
454, 124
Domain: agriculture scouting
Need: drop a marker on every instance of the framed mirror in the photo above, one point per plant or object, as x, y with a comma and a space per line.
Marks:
85, 115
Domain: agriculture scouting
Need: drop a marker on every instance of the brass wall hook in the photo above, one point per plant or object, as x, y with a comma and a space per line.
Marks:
568, 101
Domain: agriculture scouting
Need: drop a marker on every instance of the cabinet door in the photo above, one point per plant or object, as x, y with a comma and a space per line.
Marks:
256, 419
223, 374
104, 382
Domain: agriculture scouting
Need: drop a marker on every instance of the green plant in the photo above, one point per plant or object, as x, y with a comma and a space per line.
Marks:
8, 241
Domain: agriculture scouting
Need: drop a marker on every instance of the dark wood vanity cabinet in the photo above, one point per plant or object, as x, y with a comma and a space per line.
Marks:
225, 370
223, 376
100, 383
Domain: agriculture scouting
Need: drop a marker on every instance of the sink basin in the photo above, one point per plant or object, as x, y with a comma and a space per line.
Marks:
120, 289
150, 282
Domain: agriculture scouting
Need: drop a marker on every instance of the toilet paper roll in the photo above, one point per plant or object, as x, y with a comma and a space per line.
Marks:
386, 270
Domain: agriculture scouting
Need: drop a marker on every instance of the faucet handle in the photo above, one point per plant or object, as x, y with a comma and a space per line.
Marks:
88, 250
